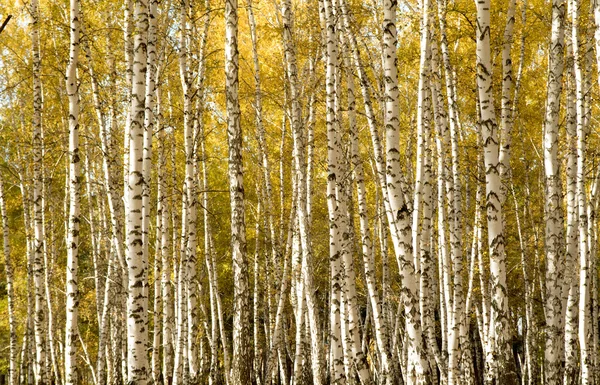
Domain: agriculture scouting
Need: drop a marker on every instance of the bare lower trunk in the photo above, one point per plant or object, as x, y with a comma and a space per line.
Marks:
8, 268
554, 197
72, 306
242, 360
398, 211
137, 259
502, 369
41, 376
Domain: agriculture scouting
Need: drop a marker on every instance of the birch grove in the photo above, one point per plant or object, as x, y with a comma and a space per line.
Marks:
299, 192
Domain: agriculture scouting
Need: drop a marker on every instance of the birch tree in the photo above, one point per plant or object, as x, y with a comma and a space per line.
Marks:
571, 275
137, 260
553, 191
10, 291
370, 116
584, 332
242, 362
398, 212
302, 193
72, 311
380, 323
503, 369
38, 265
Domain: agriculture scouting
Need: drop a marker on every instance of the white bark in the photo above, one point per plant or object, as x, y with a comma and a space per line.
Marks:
148, 133
181, 372
553, 199
427, 267
571, 275
149, 118
368, 253
155, 363
38, 240
506, 115
137, 260
128, 38
502, 368
72, 292
265, 193
165, 242
337, 372
398, 212
584, 331
302, 193
422, 95
8, 268
189, 190
242, 361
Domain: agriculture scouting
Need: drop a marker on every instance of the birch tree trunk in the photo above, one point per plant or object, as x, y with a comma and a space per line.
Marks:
149, 98
553, 198
8, 268
38, 241
52, 370
148, 133
302, 194
506, 115
242, 358
454, 193
584, 332
107, 130
427, 273
422, 95
398, 212
27, 365
368, 253
337, 371
72, 292
190, 192
128, 38
165, 241
571, 275
266, 192
181, 372
181, 369
356, 355
155, 363
137, 260
502, 369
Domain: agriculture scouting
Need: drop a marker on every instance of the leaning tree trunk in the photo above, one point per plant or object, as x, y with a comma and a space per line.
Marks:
427, 267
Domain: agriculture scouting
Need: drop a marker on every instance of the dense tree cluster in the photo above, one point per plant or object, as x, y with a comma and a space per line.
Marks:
299, 192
